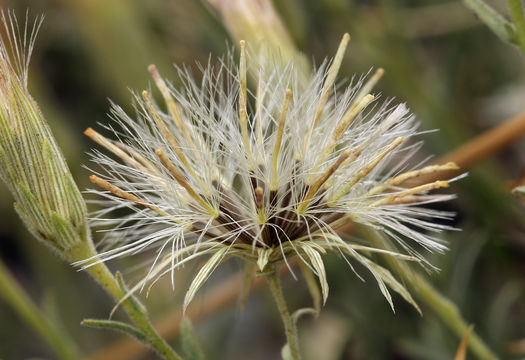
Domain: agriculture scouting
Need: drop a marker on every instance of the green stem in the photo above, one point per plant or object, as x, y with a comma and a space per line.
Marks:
443, 307
138, 314
494, 20
289, 325
518, 17
18, 299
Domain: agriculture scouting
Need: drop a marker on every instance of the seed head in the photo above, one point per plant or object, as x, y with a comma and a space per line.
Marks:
265, 176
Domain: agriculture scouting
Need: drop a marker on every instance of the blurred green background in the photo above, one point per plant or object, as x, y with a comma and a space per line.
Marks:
453, 72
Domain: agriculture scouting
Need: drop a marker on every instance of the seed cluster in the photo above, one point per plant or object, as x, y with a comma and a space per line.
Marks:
265, 183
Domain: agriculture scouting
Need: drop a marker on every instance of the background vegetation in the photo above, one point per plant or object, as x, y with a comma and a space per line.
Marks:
453, 72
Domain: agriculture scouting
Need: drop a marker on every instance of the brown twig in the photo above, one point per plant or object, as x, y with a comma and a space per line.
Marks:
488, 143
516, 347
479, 148
461, 353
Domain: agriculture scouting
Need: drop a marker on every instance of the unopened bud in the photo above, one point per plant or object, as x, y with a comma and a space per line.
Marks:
31, 163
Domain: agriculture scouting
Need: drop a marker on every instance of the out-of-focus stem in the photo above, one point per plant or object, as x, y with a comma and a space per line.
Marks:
488, 143
446, 310
518, 17
20, 302
497, 23
274, 283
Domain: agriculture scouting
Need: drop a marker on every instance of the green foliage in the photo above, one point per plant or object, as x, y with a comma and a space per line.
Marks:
445, 64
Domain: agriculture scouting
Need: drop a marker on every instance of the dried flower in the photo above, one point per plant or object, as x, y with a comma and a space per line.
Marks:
31, 164
264, 176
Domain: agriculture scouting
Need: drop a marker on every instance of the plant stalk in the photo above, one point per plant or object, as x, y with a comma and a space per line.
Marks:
289, 326
18, 299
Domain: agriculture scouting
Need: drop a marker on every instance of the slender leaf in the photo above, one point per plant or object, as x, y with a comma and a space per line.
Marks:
117, 326
395, 285
297, 314
203, 275
132, 299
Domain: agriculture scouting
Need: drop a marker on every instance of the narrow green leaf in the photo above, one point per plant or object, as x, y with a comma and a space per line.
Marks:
297, 314
203, 275
132, 299
513, 35
190, 345
117, 326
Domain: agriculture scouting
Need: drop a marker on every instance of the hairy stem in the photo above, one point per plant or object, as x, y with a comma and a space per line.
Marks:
137, 314
289, 326
17, 298
443, 307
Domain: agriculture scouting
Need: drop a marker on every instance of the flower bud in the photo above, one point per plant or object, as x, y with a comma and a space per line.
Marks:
31, 163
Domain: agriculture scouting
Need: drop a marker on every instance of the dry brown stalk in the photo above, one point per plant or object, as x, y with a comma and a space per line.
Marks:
488, 143
484, 145
478, 149
516, 347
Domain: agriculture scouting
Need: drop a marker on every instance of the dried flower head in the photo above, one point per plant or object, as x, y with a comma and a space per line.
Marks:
264, 176
31, 164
